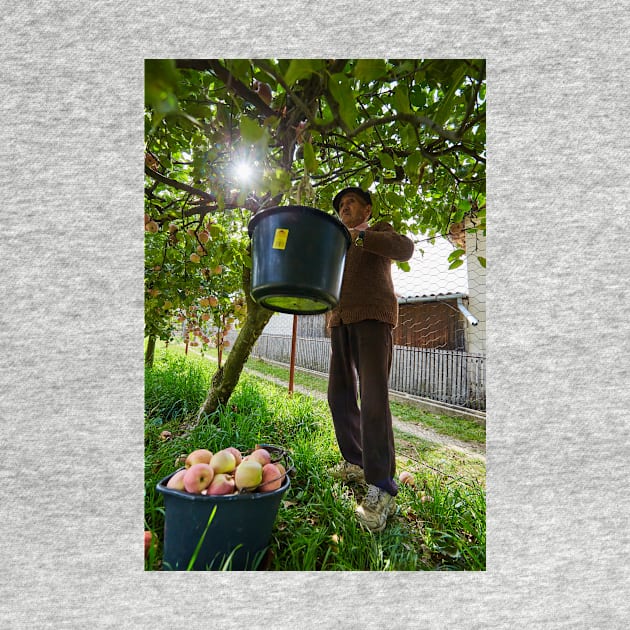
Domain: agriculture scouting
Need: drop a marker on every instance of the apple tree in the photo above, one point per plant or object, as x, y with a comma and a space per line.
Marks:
226, 138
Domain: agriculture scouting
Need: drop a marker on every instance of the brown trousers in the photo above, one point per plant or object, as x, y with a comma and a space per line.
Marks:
364, 434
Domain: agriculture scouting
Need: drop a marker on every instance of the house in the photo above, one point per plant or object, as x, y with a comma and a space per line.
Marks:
433, 303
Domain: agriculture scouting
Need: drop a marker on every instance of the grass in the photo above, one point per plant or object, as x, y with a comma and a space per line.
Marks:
439, 525
460, 428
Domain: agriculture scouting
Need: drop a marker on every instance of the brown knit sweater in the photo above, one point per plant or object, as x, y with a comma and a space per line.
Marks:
367, 290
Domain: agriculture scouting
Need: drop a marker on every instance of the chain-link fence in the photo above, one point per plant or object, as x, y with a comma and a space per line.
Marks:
440, 340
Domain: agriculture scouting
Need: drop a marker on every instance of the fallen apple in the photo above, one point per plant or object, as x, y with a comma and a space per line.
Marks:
148, 539
407, 478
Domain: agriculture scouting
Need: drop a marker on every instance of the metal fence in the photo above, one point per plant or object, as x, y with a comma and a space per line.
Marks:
448, 376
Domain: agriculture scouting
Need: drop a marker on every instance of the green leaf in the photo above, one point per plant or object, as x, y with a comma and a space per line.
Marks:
417, 96
250, 130
408, 135
386, 160
301, 69
482, 261
403, 266
401, 99
456, 263
412, 167
310, 160
369, 69
457, 253
239, 68
341, 90
463, 205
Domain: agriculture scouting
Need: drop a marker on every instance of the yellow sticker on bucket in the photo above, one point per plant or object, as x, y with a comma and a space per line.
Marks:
280, 238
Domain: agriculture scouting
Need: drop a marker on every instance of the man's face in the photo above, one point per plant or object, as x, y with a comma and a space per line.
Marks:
353, 210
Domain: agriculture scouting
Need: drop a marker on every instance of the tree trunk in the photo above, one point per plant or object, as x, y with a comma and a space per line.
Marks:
150, 353
226, 378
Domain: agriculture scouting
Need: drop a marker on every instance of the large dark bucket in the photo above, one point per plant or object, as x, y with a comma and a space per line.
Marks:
236, 538
298, 258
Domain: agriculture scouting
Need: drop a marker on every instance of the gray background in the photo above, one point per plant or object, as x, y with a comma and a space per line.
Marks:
71, 466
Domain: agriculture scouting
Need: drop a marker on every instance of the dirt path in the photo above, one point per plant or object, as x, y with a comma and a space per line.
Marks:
471, 449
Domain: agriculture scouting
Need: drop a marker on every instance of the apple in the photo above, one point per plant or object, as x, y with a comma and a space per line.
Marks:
198, 477
212, 301
165, 435
223, 461
148, 540
237, 454
248, 474
199, 456
407, 478
261, 455
195, 258
152, 227
217, 270
221, 484
204, 236
176, 482
271, 478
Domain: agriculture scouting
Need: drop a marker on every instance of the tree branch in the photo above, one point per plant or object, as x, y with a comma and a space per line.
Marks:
178, 185
408, 118
231, 82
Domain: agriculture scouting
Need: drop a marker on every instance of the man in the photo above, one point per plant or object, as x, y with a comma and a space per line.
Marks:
361, 341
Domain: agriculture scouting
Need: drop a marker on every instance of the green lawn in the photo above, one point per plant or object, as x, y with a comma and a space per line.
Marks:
439, 524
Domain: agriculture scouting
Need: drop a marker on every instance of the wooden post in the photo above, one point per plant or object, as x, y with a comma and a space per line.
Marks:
292, 363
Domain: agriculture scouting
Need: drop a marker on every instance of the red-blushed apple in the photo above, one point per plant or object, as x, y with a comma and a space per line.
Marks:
198, 477
248, 474
407, 478
148, 539
176, 482
212, 301
195, 258
221, 484
261, 455
152, 227
199, 456
237, 454
204, 236
271, 478
223, 461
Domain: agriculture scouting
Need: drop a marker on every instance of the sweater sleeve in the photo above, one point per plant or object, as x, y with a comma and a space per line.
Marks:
381, 239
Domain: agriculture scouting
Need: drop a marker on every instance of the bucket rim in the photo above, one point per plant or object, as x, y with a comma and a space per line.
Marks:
219, 498
318, 212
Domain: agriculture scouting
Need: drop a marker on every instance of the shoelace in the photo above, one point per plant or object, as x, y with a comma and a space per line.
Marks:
372, 496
